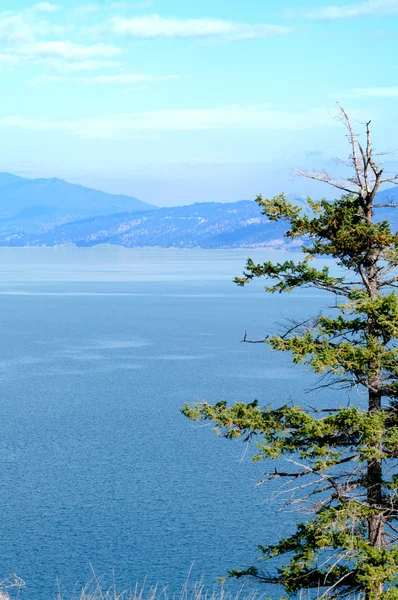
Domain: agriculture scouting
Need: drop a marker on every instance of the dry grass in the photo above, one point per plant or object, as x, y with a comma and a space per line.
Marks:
94, 590
10, 589
198, 592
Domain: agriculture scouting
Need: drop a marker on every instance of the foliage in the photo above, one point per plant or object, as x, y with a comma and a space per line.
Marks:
342, 460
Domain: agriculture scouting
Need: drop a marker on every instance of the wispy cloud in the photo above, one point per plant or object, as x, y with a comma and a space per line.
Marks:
67, 66
68, 50
90, 9
117, 79
128, 126
28, 39
154, 26
10, 60
87, 9
131, 5
355, 10
60, 65
63, 57
376, 92
45, 7
77, 46
25, 27
14, 29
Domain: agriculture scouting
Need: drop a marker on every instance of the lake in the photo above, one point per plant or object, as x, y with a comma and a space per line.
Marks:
99, 349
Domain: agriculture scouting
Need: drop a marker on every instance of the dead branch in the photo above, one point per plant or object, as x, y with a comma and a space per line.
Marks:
246, 341
367, 174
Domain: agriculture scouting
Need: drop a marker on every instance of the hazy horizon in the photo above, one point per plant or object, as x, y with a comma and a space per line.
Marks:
167, 100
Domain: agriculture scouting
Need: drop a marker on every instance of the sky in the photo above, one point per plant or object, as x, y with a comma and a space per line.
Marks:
181, 101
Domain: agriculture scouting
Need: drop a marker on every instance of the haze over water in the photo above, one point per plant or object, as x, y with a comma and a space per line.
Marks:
100, 348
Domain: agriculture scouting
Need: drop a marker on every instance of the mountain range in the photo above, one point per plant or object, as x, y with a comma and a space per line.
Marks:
49, 212
36, 202
206, 225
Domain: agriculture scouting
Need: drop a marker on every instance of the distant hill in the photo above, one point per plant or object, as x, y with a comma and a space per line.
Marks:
30, 204
206, 225
388, 195
49, 212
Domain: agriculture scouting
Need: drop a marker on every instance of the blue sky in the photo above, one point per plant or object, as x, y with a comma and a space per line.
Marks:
178, 101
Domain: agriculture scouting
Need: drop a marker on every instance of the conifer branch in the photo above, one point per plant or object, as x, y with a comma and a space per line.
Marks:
345, 473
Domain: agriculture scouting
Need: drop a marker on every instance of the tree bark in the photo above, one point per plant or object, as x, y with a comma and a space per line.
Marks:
376, 527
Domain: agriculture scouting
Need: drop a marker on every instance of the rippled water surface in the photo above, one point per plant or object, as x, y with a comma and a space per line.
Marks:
99, 349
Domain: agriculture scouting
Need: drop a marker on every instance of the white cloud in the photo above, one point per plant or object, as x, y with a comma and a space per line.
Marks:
88, 9
154, 26
355, 10
10, 60
118, 79
25, 37
33, 124
128, 126
60, 65
15, 30
376, 92
64, 66
46, 7
131, 5
68, 50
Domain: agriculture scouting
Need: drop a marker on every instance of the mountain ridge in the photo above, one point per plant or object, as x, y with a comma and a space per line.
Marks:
205, 224
31, 203
61, 213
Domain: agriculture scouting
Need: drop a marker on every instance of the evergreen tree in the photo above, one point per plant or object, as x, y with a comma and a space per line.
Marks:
343, 458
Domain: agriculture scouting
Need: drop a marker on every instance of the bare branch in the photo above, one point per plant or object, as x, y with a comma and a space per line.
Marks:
353, 142
367, 177
246, 341
336, 584
393, 180
389, 281
391, 205
325, 178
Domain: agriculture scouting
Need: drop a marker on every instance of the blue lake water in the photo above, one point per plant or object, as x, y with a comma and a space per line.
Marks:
99, 349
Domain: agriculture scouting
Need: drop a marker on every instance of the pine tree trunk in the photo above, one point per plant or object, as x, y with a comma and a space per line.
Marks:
375, 522
376, 533
374, 488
